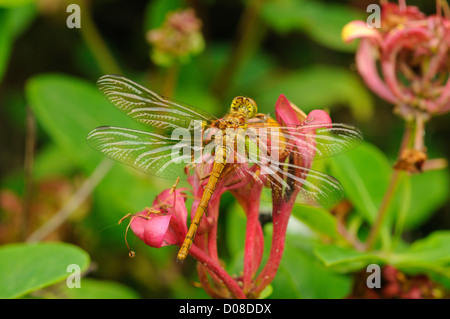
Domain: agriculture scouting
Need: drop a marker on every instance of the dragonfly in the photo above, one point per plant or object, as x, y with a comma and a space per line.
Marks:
184, 138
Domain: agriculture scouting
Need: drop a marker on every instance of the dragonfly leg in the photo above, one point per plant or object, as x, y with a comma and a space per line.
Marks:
232, 183
205, 176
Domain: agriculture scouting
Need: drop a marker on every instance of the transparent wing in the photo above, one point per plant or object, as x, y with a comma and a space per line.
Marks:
308, 140
281, 183
306, 185
284, 155
148, 107
150, 153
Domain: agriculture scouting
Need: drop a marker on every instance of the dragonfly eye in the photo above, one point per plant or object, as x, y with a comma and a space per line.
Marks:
252, 108
244, 105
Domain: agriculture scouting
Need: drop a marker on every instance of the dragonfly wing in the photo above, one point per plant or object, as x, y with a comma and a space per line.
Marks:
150, 153
281, 183
308, 186
326, 141
148, 107
311, 140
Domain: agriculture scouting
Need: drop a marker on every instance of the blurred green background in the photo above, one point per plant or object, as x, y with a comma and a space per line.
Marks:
255, 48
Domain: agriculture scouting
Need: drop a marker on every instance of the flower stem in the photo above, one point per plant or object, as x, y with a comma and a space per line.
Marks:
252, 258
248, 26
419, 133
213, 212
170, 80
95, 43
341, 211
280, 216
208, 262
435, 164
202, 276
30, 145
75, 201
402, 212
442, 8
373, 235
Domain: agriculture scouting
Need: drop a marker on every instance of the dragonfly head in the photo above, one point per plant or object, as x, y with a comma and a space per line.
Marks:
244, 105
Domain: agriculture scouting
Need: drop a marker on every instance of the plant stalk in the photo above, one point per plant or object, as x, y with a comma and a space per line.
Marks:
226, 279
75, 201
95, 42
30, 147
246, 35
379, 219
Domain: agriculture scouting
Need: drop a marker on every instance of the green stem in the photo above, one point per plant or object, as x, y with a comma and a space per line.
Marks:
30, 146
170, 80
95, 43
74, 202
403, 211
248, 26
379, 219
373, 235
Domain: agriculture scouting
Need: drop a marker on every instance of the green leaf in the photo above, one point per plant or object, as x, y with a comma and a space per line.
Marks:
51, 161
266, 292
430, 191
345, 259
321, 21
423, 256
99, 289
430, 253
306, 89
318, 219
68, 109
235, 227
308, 276
25, 268
283, 15
283, 285
114, 197
364, 173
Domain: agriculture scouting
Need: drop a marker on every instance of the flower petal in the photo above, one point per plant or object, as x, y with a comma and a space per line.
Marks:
175, 201
284, 113
314, 117
359, 29
393, 44
151, 230
366, 57
318, 117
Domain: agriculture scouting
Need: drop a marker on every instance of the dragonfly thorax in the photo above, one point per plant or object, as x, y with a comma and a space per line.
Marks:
233, 120
244, 105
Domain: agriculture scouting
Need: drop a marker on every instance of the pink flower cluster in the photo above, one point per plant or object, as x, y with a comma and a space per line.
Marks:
177, 39
406, 61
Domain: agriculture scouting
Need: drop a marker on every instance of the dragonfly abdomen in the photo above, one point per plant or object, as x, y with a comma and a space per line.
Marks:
203, 205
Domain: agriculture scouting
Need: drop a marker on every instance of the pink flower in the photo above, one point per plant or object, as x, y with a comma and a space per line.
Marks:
165, 223
413, 53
